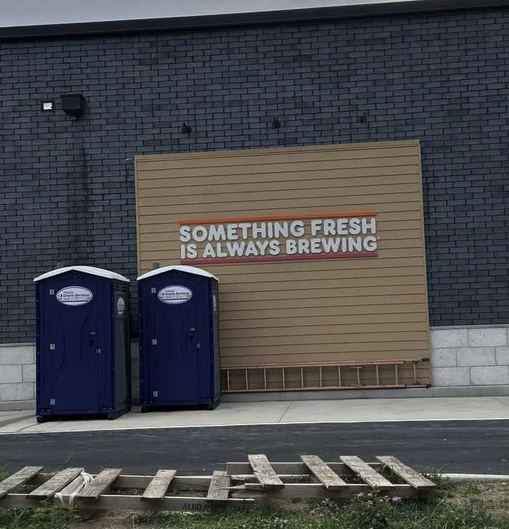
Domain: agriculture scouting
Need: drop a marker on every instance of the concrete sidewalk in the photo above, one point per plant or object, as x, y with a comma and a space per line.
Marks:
274, 413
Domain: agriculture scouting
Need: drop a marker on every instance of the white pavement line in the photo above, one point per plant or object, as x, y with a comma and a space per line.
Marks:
285, 412
466, 478
230, 425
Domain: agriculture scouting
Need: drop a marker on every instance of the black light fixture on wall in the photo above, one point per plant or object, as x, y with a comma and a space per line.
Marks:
73, 105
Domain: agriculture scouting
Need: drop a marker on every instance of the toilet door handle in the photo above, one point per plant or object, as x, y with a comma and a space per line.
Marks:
92, 337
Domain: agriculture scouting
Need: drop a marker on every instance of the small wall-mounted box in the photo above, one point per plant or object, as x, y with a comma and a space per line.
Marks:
73, 104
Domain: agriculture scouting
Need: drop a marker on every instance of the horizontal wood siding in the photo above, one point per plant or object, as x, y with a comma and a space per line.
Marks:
301, 311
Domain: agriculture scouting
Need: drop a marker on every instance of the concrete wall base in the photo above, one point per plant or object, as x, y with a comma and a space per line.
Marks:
26, 405
465, 362
470, 356
272, 396
269, 396
17, 377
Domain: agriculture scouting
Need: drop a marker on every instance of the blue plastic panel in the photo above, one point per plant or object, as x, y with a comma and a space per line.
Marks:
177, 340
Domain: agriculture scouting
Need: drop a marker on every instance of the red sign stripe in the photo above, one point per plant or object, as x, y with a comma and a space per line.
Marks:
269, 258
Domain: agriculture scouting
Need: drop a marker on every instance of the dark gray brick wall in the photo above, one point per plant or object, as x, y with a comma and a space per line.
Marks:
67, 187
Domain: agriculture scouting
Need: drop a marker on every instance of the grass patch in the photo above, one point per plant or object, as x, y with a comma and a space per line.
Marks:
451, 508
465, 506
45, 517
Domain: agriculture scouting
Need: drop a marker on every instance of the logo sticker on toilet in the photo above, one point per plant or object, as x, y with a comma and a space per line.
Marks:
74, 296
174, 295
120, 306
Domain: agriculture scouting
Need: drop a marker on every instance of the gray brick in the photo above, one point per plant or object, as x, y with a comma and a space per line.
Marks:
440, 79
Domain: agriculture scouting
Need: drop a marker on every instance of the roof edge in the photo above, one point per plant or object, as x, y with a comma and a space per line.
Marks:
246, 19
179, 268
92, 270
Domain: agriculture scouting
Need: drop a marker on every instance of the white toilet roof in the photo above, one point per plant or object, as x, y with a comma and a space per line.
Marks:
180, 268
86, 270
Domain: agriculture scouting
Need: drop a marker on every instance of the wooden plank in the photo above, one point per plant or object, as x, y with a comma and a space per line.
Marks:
55, 484
325, 475
18, 478
366, 473
101, 483
219, 487
411, 476
67, 494
157, 488
264, 472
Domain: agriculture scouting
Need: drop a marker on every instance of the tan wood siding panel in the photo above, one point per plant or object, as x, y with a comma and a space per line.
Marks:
301, 311
153, 189
390, 219
267, 269
206, 197
330, 326
410, 229
291, 202
182, 213
234, 339
258, 157
391, 313
281, 304
169, 256
278, 178
330, 353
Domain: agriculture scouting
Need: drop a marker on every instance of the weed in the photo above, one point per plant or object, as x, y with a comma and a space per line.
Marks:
48, 516
470, 489
444, 486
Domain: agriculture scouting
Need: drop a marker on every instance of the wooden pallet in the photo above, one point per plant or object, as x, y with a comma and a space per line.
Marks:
236, 488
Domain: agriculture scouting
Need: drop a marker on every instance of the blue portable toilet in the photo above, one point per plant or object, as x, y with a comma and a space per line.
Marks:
83, 341
179, 338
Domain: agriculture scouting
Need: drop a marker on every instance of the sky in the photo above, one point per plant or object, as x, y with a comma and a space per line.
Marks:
43, 12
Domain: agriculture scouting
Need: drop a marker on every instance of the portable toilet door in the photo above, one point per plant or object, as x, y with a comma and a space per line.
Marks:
82, 349
179, 346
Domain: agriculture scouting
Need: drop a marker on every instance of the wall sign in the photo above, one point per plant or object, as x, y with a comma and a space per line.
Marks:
174, 295
279, 238
74, 296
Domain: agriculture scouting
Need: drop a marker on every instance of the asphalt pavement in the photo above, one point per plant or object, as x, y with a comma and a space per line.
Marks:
447, 446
